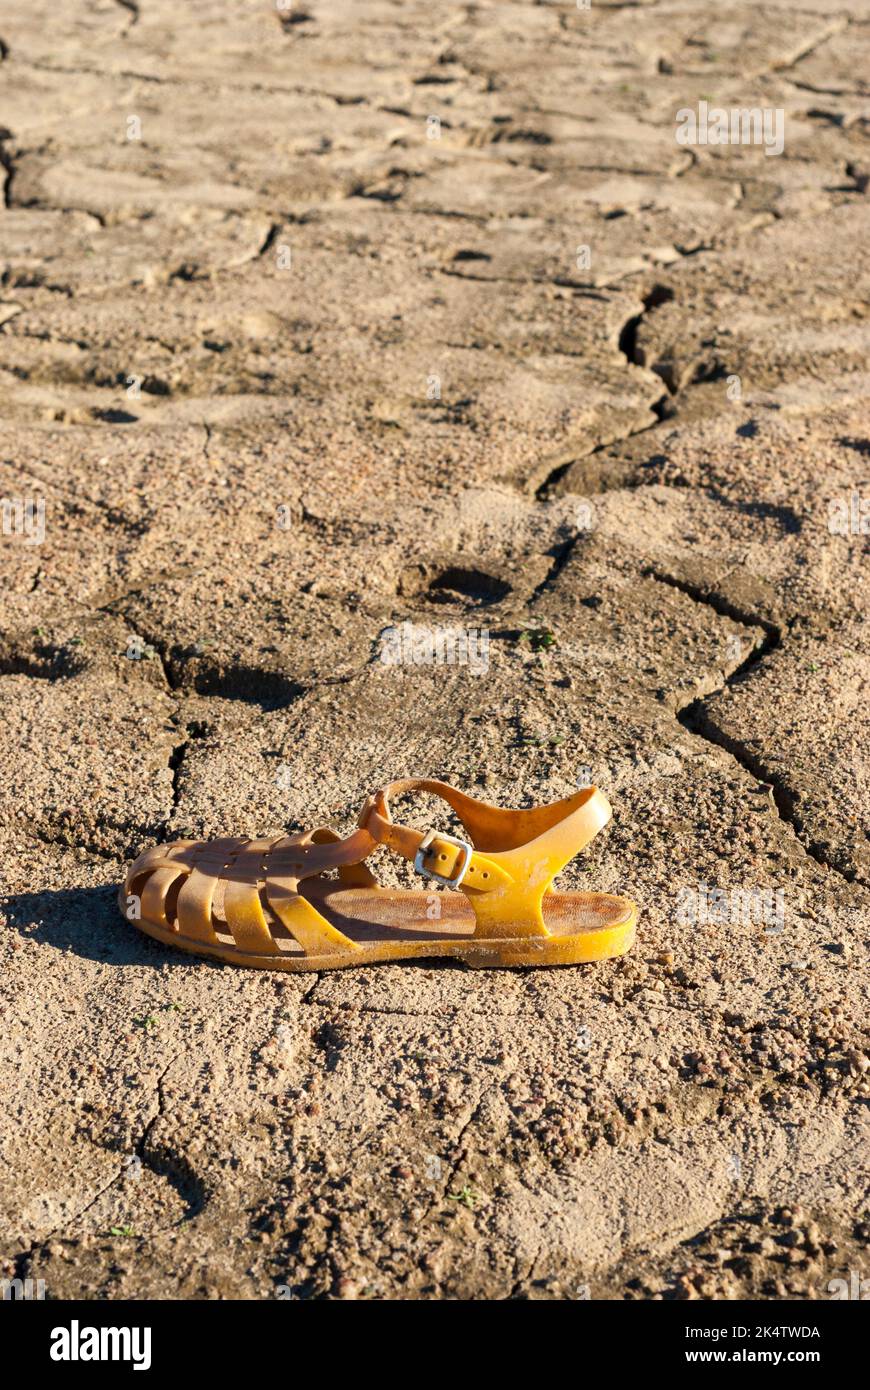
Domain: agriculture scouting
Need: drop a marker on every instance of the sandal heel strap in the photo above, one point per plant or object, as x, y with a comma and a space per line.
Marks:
513, 855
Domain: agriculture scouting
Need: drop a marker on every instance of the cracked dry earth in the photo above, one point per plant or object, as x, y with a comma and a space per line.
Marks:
626, 480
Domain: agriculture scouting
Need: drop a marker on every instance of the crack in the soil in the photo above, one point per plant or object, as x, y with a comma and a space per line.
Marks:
307, 995
373, 1008
805, 49
523, 1280
21, 1260
161, 1110
655, 296
58, 842
462, 1154
544, 490
696, 720
194, 730
268, 688
661, 407
726, 609
561, 554
176, 758
160, 653
7, 164
167, 1164
132, 8
269, 240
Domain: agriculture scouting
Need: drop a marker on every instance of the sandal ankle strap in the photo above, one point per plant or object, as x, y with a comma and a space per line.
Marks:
440, 857
511, 857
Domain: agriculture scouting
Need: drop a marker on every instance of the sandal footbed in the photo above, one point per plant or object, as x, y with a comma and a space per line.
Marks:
393, 924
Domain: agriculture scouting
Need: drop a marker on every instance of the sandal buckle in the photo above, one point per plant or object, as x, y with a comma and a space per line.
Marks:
420, 867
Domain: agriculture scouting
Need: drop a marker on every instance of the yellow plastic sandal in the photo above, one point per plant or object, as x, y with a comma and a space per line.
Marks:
269, 904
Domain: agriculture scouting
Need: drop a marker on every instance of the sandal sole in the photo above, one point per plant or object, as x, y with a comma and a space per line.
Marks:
480, 954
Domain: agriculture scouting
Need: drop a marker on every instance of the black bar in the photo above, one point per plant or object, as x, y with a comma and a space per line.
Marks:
694, 1338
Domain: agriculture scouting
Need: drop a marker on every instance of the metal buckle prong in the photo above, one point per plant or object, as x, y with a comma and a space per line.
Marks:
420, 867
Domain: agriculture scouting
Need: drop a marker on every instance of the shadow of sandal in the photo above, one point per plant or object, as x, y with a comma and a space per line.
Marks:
85, 921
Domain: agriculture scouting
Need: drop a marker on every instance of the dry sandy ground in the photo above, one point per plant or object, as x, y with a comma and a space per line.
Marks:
299, 340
